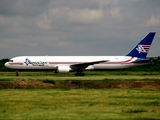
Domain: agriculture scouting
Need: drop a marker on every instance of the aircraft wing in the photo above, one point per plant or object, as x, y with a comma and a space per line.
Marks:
85, 65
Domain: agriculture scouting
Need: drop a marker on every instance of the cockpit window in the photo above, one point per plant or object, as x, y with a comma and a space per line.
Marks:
10, 60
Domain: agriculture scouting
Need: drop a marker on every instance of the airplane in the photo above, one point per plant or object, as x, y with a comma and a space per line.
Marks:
66, 64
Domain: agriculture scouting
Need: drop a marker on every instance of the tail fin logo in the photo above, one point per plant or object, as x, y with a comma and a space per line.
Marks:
143, 48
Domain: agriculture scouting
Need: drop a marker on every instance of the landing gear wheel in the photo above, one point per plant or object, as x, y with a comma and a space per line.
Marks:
79, 74
17, 73
82, 74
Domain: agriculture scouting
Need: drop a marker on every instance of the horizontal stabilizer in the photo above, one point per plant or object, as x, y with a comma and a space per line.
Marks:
142, 61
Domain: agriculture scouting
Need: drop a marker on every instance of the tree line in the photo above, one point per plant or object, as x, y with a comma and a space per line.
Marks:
154, 66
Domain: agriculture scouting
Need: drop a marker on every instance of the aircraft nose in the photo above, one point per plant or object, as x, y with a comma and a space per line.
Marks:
6, 64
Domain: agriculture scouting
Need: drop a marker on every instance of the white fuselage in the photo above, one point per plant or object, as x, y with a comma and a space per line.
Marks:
51, 62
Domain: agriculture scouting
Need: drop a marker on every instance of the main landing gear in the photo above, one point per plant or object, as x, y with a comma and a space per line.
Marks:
17, 73
79, 73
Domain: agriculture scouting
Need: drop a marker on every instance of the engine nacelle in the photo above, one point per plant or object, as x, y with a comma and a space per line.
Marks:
91, 67
63, 69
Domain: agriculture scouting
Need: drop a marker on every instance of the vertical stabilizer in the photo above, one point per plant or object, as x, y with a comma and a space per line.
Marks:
142, 48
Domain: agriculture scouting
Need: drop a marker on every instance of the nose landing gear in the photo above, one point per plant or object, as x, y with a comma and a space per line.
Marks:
17, 73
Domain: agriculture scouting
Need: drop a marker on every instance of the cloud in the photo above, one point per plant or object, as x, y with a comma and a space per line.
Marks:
115, 14
76, 27
154, 21
44, 22
22, 7
85, 15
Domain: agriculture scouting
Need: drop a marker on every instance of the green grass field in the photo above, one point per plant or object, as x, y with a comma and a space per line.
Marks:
83, 103
79, 104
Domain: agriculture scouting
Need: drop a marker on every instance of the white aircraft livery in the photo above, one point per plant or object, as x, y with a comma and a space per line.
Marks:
66, 64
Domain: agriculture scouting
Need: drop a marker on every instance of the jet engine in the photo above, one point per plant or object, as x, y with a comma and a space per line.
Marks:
62, 69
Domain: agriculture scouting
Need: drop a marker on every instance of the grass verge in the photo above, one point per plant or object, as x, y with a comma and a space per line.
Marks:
80, 104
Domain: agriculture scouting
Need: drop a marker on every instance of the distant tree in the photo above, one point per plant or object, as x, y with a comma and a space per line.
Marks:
2, 67
155, 66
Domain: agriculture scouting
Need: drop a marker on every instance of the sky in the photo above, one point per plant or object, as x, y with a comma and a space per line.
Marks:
77, 27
